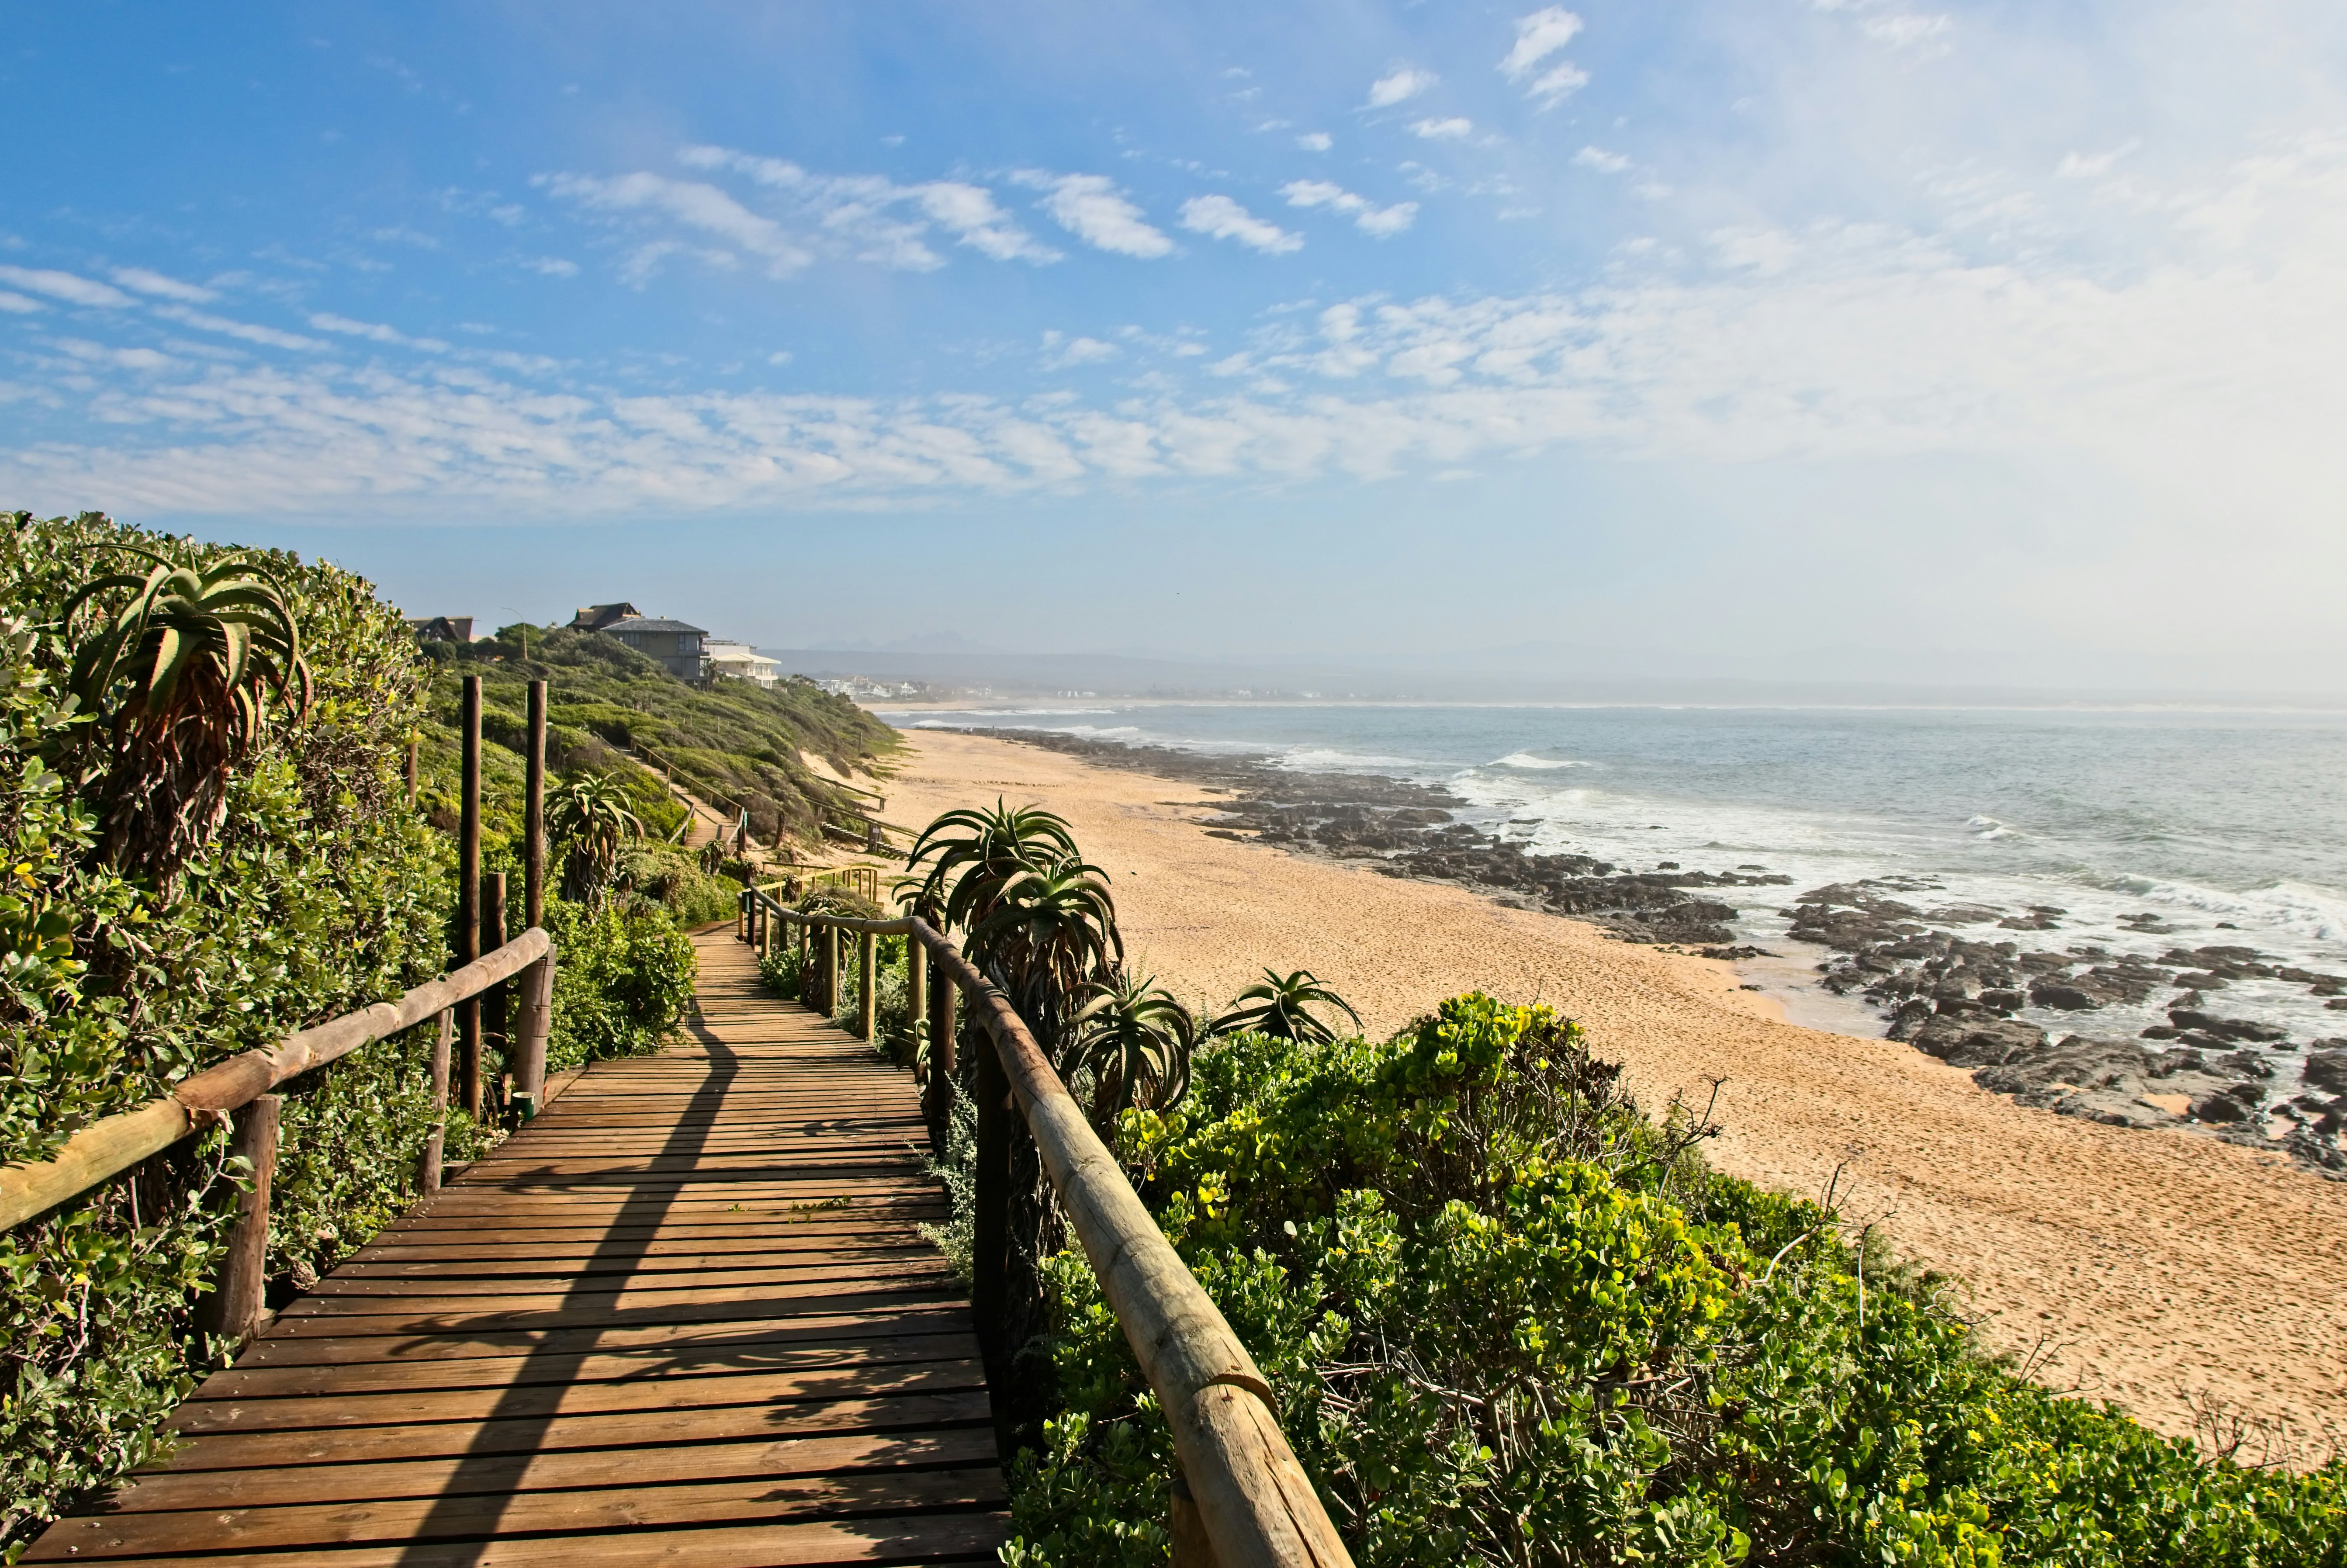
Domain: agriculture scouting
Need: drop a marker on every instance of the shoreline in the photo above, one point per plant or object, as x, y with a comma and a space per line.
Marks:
2159, 1270
2055, 1026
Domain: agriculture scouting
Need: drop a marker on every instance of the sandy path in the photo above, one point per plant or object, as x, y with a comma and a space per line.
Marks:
2160, 1266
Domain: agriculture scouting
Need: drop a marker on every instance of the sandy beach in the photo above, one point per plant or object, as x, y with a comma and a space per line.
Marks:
2160, 1270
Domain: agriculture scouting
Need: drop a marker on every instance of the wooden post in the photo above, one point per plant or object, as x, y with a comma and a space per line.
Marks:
917, 994
492, 1027
937, 1095
468, 900
991, 1224
828, 974
536, 1024
1191, 1547
533, 896
233, 1310
428, 1179
868, 986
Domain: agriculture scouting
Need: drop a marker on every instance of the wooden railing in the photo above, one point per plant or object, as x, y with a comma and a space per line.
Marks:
1241, 1500
238, 1090
864, 880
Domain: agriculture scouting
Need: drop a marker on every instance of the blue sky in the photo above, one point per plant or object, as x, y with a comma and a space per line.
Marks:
1812, 336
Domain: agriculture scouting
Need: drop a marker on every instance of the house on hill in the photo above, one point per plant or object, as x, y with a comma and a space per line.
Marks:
602, 617
742, 662
441, 628
675, 643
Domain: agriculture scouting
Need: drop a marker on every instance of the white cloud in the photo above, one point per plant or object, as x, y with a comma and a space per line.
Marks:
1221, 217
1366, 215
1905, 31
374, 332
1089, 207
1062, 353
1598, 159
1400, 86
970, 213
1539, 35
247, 332
697, 206
1316, 141
780, 357
1447, 129
553, 266
774, 172
868, 215
18, 304
72, 288
1559, 83
2093, 165
148, 282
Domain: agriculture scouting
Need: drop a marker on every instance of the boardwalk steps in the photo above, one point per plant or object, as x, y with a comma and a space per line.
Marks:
686, 1316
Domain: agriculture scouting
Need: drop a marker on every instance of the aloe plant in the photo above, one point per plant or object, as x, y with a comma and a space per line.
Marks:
1281, 1007
589, 811
178, 682
1136, 1039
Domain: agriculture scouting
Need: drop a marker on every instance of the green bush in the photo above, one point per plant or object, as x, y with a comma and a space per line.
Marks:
1510, 1320
672, 878
627, 975
321, 892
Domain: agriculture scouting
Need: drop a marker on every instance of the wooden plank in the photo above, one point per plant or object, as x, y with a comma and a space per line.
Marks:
476, 1517
686, 1314
706, 1390
352, 1377
914, 1538
505, 1473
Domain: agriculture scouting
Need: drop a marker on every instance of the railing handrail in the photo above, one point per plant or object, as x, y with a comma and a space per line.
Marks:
113, 1144
1258, 1507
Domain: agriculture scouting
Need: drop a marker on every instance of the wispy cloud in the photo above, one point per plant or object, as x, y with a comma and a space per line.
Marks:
148, 282
1064, 352
1539, 37
374, 332
1316, 141
1399, 85
70, 287
696, 205
1598, 159
1450, 128
18, 304
1366, 215
1089, 207
1906, 30
246, 332
969, 213
1220, 218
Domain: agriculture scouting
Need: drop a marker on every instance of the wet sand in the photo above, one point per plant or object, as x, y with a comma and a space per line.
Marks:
2148, 1267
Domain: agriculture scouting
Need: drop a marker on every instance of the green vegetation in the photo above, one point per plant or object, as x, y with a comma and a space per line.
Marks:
733, 745
210, 845
1511, 1320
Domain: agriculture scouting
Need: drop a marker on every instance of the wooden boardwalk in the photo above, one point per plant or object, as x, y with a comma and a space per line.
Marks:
683, 1316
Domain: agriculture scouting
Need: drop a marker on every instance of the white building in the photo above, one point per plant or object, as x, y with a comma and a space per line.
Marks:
740, 662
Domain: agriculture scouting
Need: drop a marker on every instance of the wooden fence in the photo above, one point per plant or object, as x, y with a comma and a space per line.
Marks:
1241, 1500
237, 1090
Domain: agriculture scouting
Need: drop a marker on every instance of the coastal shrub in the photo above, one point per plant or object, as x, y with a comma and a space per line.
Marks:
626, 974
318, 892
669, 877
1511, 1319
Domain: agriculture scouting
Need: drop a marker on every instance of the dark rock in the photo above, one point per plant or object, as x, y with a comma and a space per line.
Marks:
1911, 1018
2160, 1031
1976, 1041
2233, 1029
2067, 997
2326, 1069
2001, 1000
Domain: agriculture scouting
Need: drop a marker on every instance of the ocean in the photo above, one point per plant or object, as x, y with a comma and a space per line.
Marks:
2229, 827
